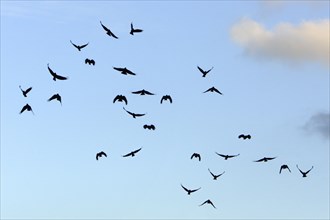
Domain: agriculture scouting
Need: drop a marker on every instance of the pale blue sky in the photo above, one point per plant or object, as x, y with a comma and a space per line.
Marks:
271, 62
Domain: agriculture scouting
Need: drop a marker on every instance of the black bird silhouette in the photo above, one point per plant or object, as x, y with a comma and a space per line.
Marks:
265, 159
150, 127
132, 153
216, 176
190, 190
57, 97
26, 107
197, 155
25, 92
90, 61
124, 71
133, 30
203, 71
244, 136
120, 98
227, 156
304, 173
143, 92
208, 202
108, 31
166, 97
100, 154
133, 114
213, 89
79, 47
284, 166
55, 76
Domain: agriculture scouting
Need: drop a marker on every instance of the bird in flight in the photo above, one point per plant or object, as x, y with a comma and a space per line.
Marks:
120, 98
132, 153
90, 61
204, 72
79, 47
304, 173
134, 114
100, 154
166, 97
190, 190
208, 202
25, 92
57, 97
26, 107
244, 136
226, 156
196, 155
55, 76
284, 166
143, 92
150, 127
108, 31
265, 159
213, 89
215, 177
133, 30
124, 71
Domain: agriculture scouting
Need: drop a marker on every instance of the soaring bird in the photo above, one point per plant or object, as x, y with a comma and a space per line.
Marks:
197, 155
57, 97
190, 190
265, 159
25, 92
120, 98
133, 30
55, 76
143, 92
134, 115
166, 97
204, 72
132, 153
108, 31
227, 156
100, 154
79, 47
215, 177
26, 107
304, 173
124, 71
208, 202
284, 166
213, 89
150, 127
244, 136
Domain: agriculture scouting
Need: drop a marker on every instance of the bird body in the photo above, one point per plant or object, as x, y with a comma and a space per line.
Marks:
108, 31
189, 191
213, 89
25, 92
132, 153
166, 97
120, 98
133, 30
100, 154
78, 46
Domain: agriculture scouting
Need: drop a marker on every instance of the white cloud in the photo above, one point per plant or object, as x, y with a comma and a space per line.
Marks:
320, 124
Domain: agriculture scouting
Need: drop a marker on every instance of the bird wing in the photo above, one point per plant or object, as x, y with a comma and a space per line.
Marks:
87, 60
138, 115
162, 99
129, 72
170, 98
212, 204
207, 90
126, 155
28, 90
51, 71
116, 98
185, 188
137, 92
309, 169
113, 35
82, 46
60, 77
148, 93
216, 90
137, 30
104, 154
209, 70
270, 158
76, 46
137, 150
262, 159
128, 111
194, 190
241, 136
104, 27
51, 98
230, 156
281, 169
118, 68
203, 203
97, 156
221, 155
211, 172
124, 99
152, 127
23, 109
200, 69
248, 136
299, 169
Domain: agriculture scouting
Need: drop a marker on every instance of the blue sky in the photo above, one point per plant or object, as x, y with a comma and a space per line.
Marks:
271, 62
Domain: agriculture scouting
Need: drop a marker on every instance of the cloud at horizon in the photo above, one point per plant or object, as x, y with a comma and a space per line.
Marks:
320, 124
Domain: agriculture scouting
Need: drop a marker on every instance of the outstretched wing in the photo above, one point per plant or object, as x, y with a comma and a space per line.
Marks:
260, 160
23, 109
61, 77
309, 169
211, 172
28, 90
104, 27
194, 190
137, 92
51, 98
127, 155
51, 71
216, 90
76, 46
207, 90
299, 169
241, 136
82, 46
104, 154
221, 155
185, 188
137, 150
270, 158
131, 113
201, 70
118, 68
148, 93
203, 203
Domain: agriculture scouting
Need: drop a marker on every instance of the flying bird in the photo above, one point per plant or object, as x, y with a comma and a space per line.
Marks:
208, 202
134, 114
132, 153
204, 72
215, 177
143, 92
190, 190
79, 47
213, 89
25, 92
120, 98
133, 30
26, 107
90, 61
166, 97
108, 31
57, 97
227, 156
244, 136
265, 159
304, 173
100, 154
284, 166
124, 71
150, 127
55, 76
196, 155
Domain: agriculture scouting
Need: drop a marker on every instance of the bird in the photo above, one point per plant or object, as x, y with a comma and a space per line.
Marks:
265, 159
215, 177
197, 155
132, 153
208, 202
244, 136
143, 92
134, 114
26, 107
57, 97
150, 127
90, 61
304, 174
108, 31
189, 191
203, 71
100, 154
284, 166
120, 98
166, 97
25, 92
133, 30
226, 156
55, 76
124, 71
79, 47
213, 89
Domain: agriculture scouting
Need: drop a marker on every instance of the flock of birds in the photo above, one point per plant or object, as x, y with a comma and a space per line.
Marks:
123, 99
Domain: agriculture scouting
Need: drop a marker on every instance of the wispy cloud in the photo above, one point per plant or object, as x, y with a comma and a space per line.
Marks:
319, 124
